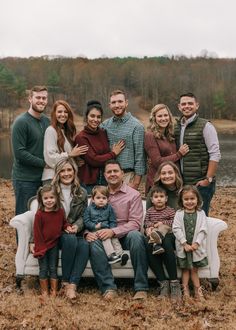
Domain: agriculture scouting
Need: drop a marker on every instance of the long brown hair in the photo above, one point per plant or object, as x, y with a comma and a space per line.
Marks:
75, 185
154, 127
69, 126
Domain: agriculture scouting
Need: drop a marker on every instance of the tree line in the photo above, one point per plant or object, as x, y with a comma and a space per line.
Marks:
148, 81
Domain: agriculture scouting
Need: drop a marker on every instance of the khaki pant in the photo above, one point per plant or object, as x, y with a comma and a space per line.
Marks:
112, 245
128, 177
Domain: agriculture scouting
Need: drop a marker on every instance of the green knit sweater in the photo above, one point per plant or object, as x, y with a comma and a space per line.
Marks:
27, 142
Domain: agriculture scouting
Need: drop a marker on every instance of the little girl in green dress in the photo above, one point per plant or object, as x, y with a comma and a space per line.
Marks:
190, 230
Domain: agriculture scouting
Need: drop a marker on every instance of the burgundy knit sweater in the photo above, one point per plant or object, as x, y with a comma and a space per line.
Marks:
98, 153
48, 227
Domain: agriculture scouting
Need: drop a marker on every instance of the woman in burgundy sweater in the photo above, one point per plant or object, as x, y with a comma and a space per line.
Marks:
159, 142
91, 173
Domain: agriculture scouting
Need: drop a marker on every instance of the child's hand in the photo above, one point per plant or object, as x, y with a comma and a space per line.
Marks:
98, 225
148, 231
69, 230
195, 246
31, 247
188, 248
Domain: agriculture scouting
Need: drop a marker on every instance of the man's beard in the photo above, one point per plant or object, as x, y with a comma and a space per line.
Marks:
35, 108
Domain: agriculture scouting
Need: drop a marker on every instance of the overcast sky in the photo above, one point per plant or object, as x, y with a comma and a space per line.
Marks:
98, 28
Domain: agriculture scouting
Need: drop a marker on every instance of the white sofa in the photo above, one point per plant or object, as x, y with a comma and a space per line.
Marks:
26, 264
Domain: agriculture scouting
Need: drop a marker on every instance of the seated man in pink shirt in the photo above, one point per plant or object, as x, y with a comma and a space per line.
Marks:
127, 204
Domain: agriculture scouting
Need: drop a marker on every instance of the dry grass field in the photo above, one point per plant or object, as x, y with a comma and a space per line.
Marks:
90, 311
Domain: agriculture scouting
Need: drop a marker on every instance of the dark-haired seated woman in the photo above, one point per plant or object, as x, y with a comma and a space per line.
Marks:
91, 173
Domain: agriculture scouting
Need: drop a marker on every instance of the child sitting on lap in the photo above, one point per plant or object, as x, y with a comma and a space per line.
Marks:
158, 220
100, 215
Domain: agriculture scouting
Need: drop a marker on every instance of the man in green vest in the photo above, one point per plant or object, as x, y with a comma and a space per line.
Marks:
200, 164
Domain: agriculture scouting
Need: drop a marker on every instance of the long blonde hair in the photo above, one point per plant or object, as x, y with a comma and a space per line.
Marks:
75, 185
154, 127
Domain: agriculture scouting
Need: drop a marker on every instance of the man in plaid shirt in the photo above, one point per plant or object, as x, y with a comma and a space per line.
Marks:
124, 126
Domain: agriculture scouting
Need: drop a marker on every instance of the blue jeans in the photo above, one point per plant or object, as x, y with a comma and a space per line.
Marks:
157, 261
74, 257
133, 241
24, 190
48, 264
207, 193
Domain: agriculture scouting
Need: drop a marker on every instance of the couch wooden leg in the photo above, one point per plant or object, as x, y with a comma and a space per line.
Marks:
19, 278
214, 283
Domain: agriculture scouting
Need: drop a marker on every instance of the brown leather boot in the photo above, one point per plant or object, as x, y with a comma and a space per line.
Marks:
44, 288
54, 286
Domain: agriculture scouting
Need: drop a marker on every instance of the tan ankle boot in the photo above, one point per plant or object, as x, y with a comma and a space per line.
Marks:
44, 287
54, 286
71, 291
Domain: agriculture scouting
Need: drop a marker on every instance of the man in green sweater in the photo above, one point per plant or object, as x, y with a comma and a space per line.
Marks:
27, 141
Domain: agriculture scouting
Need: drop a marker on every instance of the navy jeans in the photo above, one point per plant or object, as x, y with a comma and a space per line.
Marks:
24, 190
157, 261
133, 241
74, 257
207, 194
48, 264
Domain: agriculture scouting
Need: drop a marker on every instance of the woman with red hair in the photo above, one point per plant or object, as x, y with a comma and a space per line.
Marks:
59, 138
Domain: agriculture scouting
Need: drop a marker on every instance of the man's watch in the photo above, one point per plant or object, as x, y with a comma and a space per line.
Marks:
209, 179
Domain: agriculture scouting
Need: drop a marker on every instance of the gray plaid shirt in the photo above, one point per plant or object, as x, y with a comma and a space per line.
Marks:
128, 128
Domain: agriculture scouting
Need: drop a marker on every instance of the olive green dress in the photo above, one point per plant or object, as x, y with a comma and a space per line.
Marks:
190, 220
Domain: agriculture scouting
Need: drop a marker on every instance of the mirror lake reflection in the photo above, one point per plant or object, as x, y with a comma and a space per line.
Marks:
226, 174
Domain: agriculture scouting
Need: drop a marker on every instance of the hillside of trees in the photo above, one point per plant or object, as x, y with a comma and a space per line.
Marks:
148, 81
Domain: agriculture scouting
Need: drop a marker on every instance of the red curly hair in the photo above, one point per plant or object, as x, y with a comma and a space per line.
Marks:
69, 126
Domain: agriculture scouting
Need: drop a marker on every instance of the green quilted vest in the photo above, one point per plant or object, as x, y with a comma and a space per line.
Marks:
195, 163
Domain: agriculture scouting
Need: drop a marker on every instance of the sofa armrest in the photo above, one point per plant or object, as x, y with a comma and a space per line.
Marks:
215, 226
23, 223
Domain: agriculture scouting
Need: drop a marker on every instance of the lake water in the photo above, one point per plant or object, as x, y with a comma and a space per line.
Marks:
226, 174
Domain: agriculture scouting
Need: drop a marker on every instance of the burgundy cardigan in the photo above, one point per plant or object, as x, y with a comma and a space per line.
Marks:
96, 156
158, 151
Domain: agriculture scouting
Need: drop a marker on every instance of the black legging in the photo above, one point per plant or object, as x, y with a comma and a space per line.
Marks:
156, 261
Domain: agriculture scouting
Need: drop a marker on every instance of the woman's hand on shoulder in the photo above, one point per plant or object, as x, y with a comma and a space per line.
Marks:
184, 149
78, 151
118, 147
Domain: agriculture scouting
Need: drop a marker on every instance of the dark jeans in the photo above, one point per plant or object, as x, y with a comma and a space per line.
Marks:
24, 190
207, 194
48, 264
133, 241
101, 181
74, 257
157, 261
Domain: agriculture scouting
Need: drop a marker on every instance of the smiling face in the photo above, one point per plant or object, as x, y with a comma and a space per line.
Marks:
188, 106
61, 114
67, 174
94, 119
38, 101
118, 105
49, 201
162, 118
168, 176
190, 201
114, 175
